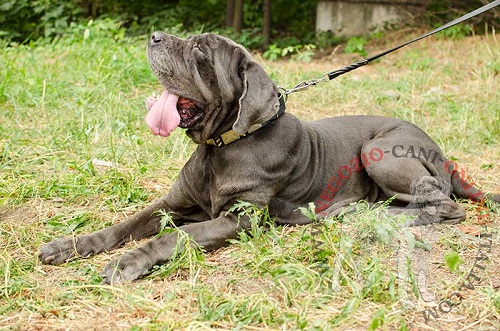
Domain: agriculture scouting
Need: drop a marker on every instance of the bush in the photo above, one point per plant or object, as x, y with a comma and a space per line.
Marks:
23, 20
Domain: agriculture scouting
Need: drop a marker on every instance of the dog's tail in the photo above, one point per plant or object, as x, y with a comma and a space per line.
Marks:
462, 188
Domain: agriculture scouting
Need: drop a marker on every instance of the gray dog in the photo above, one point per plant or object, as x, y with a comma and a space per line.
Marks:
250, 150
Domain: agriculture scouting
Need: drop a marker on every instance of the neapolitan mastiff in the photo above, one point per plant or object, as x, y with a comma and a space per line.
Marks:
250, 150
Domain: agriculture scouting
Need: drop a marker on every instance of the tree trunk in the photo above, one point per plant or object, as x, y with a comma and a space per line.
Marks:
229, 13
267, 22
238, 16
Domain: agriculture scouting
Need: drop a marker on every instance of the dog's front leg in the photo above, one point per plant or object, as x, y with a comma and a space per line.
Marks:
209, 235
144, 223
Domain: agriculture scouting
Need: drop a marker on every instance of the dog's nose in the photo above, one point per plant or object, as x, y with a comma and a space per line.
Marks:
157, 38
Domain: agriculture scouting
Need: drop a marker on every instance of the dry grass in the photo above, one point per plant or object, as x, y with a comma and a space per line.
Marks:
64, 105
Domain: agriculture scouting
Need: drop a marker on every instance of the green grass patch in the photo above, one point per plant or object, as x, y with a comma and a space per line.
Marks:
75, 156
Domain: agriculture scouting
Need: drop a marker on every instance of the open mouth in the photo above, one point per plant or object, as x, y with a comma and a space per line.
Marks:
189, 112
169, 111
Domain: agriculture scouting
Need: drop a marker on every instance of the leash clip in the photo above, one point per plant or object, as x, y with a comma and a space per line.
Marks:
303, 86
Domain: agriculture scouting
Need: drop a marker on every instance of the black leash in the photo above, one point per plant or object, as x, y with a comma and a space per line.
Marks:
334, 74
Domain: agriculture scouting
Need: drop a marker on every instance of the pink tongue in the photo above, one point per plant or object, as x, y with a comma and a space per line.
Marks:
163, 117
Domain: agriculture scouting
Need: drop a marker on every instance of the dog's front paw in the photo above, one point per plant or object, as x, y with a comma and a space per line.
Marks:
64, 249
58, 251
125, 269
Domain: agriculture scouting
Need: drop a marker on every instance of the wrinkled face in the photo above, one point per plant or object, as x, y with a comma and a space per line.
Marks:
211, 84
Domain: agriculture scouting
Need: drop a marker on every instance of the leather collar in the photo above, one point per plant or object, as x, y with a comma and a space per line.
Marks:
230, 136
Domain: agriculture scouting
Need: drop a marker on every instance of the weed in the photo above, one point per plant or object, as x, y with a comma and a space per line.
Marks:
325, 39
452, 260
356, 45
186, 255
301, 53
455, 32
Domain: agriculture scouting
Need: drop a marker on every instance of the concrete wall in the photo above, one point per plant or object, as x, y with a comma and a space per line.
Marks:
354, 17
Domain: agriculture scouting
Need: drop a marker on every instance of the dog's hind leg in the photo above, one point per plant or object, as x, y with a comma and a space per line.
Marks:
421, 189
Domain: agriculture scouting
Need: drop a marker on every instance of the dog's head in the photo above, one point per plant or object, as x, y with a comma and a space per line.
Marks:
211, 85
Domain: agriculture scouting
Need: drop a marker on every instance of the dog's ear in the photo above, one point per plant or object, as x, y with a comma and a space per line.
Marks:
259, 98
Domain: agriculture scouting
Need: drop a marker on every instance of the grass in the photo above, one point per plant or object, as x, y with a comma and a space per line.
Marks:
66, 106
